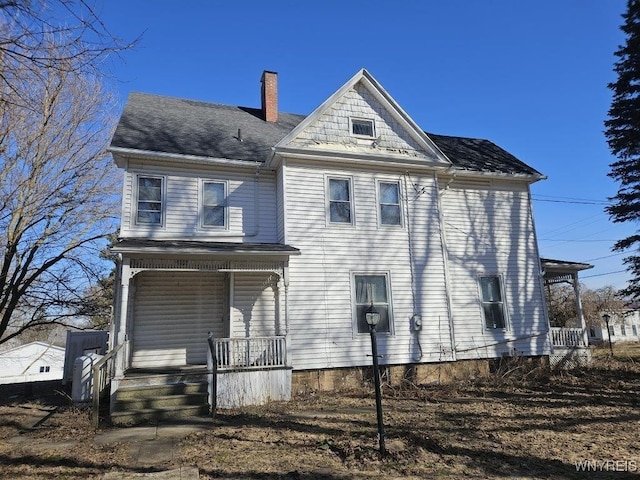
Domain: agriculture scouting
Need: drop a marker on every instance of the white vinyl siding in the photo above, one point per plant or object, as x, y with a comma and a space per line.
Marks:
253, 311
320, 293
250, 209
174, 311
489, 228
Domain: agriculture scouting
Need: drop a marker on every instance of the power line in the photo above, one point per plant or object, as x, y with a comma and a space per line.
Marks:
603, 274
606, 256
579, 201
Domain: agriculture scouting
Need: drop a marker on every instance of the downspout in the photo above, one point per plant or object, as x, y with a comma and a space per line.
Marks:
541, 283
445, 258
256, 204
413, 328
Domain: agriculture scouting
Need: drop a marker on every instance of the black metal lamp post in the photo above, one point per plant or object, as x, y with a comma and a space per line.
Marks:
606, 317
373, 317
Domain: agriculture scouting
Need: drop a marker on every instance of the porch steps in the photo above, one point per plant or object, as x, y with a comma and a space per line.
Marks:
147, 399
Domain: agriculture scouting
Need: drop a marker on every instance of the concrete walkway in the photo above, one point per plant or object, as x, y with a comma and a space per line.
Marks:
154, 445
149, 446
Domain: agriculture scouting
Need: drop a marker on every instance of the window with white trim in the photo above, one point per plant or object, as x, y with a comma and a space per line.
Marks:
340, 200
389, 203
149, 205
214, 204
634, 330
623, 330
372, 290
492, 302
363, 127
45, 369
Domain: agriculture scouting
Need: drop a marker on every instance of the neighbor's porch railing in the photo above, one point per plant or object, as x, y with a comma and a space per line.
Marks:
569, 337
250, 353
103, 371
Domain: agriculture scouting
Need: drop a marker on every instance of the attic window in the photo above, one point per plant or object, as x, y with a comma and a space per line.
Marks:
361, 127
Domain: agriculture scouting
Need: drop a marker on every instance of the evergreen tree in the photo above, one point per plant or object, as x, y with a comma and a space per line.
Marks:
623, 136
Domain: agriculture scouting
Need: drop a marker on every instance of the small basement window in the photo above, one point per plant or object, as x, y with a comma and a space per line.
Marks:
361, 127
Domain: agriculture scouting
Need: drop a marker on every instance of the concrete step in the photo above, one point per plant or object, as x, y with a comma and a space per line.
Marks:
152, 415
128, 391
159, 402
168, 399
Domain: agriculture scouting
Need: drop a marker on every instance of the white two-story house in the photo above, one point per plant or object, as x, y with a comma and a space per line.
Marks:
276, 232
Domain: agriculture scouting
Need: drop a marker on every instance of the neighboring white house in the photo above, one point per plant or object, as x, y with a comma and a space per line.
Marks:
277, 232
32, 362
623, 327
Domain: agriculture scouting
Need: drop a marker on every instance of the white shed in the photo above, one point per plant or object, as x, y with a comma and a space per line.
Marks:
32, 362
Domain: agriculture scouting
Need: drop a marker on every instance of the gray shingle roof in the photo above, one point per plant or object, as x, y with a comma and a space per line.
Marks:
190, 246
187, 127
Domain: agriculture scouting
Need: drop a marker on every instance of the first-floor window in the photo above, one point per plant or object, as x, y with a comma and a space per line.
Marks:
149, 200
372, 291
634, 330
612, 332
214, 203
623, 330
492, 301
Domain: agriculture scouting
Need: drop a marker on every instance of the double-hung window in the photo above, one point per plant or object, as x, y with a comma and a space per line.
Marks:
389, 203
372, 291
492, 302
149, 200
214, 204
340, 201
634, 329
623, 330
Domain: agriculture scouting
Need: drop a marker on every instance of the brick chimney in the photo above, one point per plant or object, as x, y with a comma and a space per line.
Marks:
270, 96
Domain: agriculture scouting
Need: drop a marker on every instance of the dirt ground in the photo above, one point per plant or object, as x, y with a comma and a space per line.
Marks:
516, 424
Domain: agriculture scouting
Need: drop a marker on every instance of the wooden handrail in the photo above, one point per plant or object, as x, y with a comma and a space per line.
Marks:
100, 383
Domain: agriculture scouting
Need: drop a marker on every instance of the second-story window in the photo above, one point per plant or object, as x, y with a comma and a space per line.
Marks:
149, 200
340, 204
214, 204
389, 202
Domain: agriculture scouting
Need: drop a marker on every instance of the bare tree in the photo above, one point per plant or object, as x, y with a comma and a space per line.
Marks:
57, 195
41, 35
563, 310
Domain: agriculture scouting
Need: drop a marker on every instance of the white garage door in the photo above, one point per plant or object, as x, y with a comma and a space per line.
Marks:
173, 312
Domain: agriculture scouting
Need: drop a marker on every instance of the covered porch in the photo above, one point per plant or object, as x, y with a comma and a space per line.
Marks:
185, 309
570, 342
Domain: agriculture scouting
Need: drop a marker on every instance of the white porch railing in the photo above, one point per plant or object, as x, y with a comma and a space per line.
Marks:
250, 353
569, 337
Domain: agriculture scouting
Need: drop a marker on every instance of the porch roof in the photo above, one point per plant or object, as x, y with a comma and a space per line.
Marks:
561, 270
141, 246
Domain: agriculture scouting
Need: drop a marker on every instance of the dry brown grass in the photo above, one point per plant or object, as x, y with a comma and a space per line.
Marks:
518, 424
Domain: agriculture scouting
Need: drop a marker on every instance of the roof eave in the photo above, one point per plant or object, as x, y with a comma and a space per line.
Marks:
357, 157
526, 177
120, 152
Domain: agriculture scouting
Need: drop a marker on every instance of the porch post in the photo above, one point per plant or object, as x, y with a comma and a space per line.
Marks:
287, 341
581, 322
125, 278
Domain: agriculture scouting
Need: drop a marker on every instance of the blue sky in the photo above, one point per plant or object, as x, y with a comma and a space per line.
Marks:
530, 76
